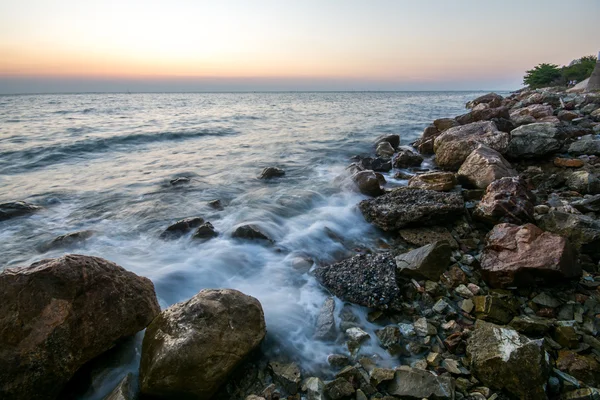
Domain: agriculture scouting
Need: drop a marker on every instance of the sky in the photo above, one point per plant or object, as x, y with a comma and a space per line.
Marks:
252, 45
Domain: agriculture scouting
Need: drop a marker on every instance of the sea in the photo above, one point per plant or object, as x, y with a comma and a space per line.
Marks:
104, 162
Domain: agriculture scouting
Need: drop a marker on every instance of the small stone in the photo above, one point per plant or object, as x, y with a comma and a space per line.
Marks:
424, 328
568, 162
434, 359
325, 329
464, 291
531, 326
492, 309
427, 262
216, 204
389, 338
287, 375
385, 149
451, 366
583, 367
339, 389
379, 375
179, 181
412, 383
566, 336
474, 288
338, 360
440, 306
419, 364
271, 172
314, 388
467, 305
541, 209
250, 232
407, 330
357, 335
205, 231
545, 300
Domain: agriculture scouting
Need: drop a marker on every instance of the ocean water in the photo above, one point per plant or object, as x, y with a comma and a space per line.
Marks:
103, 162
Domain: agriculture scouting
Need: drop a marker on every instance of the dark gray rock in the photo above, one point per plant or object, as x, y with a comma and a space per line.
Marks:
506, 200
16, 209
250, 232
427, 262
412, 383
67, 240
182, 180
375, 164
326, 321
127, 389
588, 144
405, 207
483, 166
393, 140
339, 389
365, 279
534, 140
287, 375
181, 227
407, 158
271, 172
367, 183
205, 231
582, 231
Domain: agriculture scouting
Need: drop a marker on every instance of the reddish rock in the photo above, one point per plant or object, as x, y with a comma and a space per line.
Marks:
58, 314
486, 114
483, 166
454, 277
506, 200
568, 162
425, 143
522, 255
584, 368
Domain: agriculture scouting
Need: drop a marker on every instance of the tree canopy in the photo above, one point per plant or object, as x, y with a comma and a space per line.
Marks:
551, 74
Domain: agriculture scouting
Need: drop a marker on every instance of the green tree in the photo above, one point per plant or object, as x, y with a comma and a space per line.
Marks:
542, 75
579, 69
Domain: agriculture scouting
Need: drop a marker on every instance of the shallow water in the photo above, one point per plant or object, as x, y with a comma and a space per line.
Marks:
103, 162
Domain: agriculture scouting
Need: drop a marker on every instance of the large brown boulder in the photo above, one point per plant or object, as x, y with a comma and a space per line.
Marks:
404, 207
491, 100
454, 145
485, 114
506, 200
191, 348
522, 255
483, 166
58, 314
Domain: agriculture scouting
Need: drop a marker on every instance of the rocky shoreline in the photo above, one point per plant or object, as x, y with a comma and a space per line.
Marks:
489, 288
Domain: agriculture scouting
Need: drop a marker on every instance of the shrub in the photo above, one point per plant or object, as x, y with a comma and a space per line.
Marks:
542, 75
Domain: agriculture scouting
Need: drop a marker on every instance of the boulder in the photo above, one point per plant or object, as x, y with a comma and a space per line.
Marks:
181, 180
271, 172
205, 232
483, 166
181, 227
486, 114
404, 207
385, 149
365, 279
67, 240
587, 145
584, 368
417, 384
58, 314
454, 145
566, 115
534, 140
407, 158
16, 209
339, 389
490, 99
394, 140
287, 375
425, 143
427, 262
250, 232
583, 182
582, 231
375, 164
127, 389
506, 200
501, 357
427, 235
530, 114
493, 309
367, 183
522, 255
588, 204
191, 348
325, 329
438, 181
443, 124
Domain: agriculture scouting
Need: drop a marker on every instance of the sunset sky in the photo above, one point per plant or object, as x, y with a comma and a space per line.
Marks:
195, 45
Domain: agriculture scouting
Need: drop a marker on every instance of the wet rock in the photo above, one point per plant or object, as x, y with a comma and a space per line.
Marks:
584, 368
534, 140
338, 360
531, 326
582, 231
182, 180
376, 164
127, 389
588, 204
522, 255
287, 375
427, 235
486, 114
67, 240
271, 172
58, 314
501, 357
423, 327
367, 183
390, 339
357, 335
588, 144
566, 336
583, 182
438, 181
16, 209
545, 300
365, 279
582, 394
568, 162
412, 383
359, 377
453, 146
404, 207
205, 231
185, 353
181, 227
250, 232
394, 140
493, 309
326, 321
379, 375
216, 204
506, 200
407, 158
385, 149
314, 388
490, 99
425, 143
339, 389
427, 262
483, 166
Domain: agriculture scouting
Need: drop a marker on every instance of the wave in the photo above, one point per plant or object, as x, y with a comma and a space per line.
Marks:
38, 157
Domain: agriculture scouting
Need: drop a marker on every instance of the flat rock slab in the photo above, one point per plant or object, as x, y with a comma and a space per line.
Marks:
417, 384
406, 207
365, 279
